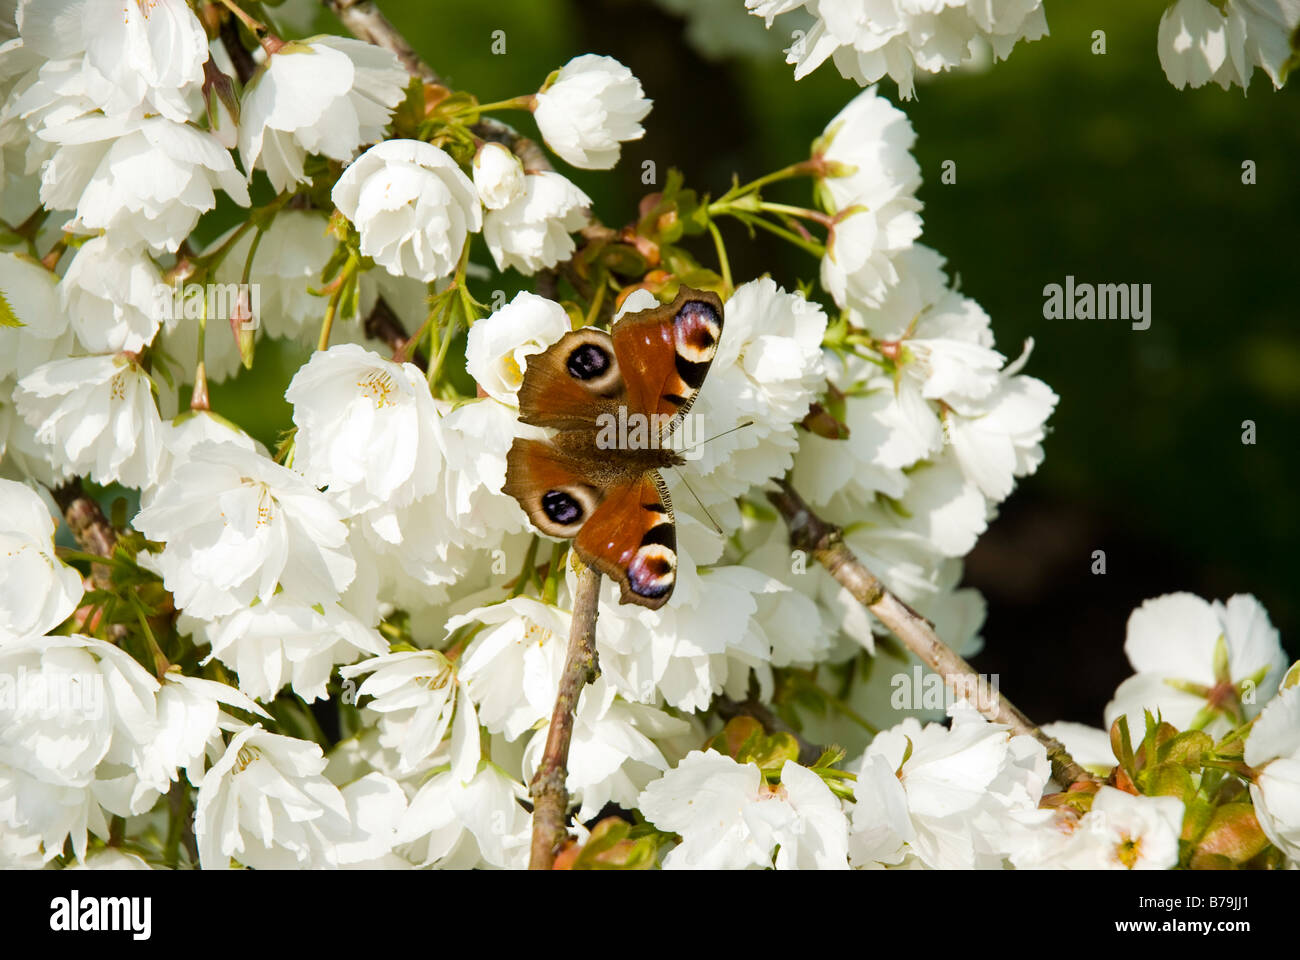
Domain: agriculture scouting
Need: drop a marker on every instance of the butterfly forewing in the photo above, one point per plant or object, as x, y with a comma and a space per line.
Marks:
666, 353
571, 382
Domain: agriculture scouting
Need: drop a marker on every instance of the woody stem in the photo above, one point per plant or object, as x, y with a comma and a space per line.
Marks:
823, 540
548, 790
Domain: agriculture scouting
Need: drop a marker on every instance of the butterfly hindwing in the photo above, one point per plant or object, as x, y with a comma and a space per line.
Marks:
665, 352
632, 538
552, 488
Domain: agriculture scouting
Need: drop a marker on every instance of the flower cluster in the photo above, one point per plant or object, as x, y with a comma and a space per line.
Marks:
1197, 40
866, 40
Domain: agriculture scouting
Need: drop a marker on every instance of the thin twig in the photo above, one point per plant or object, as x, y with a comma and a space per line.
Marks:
382, 324
548, 790
823, 540
366, 22
88, 525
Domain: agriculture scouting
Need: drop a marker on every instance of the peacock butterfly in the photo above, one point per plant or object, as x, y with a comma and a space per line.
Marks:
609, 497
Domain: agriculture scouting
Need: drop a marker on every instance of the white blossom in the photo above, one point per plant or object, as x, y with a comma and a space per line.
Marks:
1198, 664
868, 38
31, 292
237, 525
111, 295
729, 817
1273, 751
434, 540
74, 717
511, 669
412, 205
326, 95
498, 175
145, 181
870, 186
368, 428
265, 804
612, 753
284, 640
1000, 438
99, 415
593, 105
532, 232
1126, 832
189, 718
417, 694
941, 794
458, 825
145, 55
1199, 41
37, 592
498, 347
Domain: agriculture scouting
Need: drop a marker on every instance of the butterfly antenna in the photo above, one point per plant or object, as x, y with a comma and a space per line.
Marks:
688, 486
747, 423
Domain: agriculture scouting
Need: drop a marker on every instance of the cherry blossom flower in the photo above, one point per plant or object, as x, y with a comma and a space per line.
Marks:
237, 526
866, 40
1273, 751
110, 294
284, 640
730, 818
98, 415
498, 175
326, 95
75, 716
37, 592
592, 105
532, 231
367, 428
1198, 664
497, 351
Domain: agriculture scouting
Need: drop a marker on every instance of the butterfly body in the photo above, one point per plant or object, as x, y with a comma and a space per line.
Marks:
613, 399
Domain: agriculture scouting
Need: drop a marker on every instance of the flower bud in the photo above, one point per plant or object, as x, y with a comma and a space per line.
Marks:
222, 105
243, 324
498, 175
1234, 834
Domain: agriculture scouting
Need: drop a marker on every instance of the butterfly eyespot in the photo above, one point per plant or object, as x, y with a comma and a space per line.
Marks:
652, 570
588, 361
697, 328
561, 508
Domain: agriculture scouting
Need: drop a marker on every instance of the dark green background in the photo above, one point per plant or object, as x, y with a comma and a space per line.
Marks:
1067, 163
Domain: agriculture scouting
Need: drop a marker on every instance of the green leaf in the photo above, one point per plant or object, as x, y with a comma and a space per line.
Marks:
1187, 748
1121, 744
1170, 780
830, 756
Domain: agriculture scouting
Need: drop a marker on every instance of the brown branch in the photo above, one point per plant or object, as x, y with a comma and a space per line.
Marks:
245, 65
810, 533
382, 324
548, 790
89, 527
365, 21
